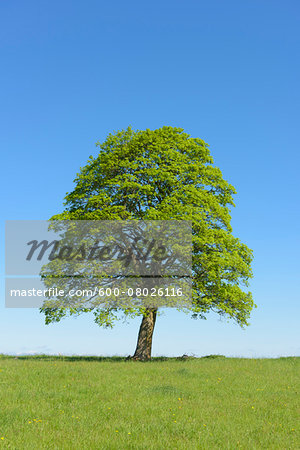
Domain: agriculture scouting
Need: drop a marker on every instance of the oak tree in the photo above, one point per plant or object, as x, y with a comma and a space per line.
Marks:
165, 174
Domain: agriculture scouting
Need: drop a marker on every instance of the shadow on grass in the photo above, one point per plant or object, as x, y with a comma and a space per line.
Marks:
101, 358
75, 358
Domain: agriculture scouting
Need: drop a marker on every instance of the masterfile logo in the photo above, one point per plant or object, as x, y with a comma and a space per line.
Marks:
94, 261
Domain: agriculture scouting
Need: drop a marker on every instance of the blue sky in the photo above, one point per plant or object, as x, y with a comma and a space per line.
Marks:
227, 72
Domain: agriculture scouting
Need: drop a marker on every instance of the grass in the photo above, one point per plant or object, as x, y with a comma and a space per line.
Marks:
108, 403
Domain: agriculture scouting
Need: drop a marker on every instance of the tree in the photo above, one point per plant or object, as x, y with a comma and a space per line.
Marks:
166, 174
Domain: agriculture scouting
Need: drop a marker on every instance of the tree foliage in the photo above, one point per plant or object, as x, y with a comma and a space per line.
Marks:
166, 174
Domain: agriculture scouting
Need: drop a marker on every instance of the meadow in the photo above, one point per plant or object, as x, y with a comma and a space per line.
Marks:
167, 403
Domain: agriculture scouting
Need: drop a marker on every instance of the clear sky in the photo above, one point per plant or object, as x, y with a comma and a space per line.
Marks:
227, 72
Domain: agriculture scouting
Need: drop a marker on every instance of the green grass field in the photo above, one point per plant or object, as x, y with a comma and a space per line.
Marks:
109, 403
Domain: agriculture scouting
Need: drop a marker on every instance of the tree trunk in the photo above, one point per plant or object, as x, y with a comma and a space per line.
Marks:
144, 342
